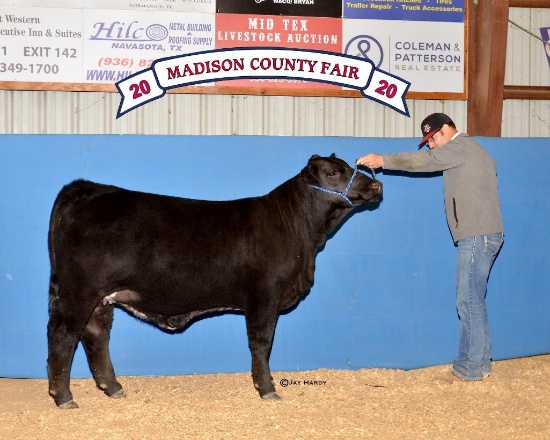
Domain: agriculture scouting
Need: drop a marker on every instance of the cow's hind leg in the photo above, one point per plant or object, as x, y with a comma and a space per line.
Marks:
95, 339
261, 329
63, 337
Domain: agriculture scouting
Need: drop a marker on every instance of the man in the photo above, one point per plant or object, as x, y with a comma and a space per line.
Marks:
473, 214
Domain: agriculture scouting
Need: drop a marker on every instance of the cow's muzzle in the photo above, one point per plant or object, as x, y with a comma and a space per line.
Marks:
374, 192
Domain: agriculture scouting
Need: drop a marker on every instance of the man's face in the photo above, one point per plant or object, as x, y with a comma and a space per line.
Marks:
440, 138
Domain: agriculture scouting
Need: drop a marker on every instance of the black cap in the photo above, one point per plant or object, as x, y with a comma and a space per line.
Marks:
432, 124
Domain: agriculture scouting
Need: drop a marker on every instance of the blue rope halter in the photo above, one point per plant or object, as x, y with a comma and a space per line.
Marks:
344, 194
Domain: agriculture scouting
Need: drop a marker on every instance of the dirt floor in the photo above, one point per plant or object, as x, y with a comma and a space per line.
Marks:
513, 403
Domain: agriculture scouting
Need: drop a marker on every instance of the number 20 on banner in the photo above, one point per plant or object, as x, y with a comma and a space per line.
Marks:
137, 90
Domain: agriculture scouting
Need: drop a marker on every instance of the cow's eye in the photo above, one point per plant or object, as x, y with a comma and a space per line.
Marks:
331, 174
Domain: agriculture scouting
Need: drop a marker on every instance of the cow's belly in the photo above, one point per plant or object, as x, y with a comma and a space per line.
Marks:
133, 303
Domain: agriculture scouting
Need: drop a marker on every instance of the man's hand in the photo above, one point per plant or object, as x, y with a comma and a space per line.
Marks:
371, 161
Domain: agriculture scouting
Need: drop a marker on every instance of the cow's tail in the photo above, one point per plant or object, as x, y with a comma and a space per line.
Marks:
74, 191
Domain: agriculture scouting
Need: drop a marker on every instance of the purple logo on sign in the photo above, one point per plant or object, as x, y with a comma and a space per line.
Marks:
120, 31
367, 47
545, 33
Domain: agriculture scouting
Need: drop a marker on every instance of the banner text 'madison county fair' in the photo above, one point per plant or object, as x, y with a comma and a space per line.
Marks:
236, 63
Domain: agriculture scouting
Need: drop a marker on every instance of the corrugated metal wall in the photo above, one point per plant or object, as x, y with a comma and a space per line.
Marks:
526, 65
94, 113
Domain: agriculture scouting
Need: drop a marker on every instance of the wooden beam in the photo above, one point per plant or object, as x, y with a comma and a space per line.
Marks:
526, 92
487, 38
529, 4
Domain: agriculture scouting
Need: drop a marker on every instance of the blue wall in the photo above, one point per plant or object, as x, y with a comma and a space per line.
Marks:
384, 287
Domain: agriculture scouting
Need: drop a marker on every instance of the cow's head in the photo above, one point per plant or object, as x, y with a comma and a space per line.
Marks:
334, 176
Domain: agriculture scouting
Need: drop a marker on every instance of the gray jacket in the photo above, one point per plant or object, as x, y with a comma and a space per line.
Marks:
469, 184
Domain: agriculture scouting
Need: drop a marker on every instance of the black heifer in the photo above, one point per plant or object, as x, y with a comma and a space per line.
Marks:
168, 260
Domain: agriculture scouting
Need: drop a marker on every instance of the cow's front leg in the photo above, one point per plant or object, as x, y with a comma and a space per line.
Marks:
260, 325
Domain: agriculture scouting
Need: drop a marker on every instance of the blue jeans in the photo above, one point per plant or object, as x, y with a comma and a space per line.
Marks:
475, 258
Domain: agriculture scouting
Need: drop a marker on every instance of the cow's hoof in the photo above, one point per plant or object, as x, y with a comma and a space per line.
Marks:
71, 404
271, 396
120, 394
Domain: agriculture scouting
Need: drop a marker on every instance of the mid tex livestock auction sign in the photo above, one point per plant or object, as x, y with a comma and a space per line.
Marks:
94, 44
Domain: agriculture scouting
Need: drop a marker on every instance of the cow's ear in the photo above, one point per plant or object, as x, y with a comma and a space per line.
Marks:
333, 156
309, 173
